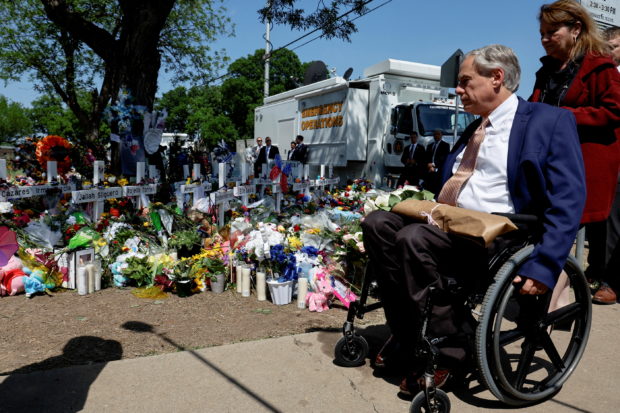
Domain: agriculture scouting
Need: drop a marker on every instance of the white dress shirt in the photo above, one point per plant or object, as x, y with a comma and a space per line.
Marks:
487, 189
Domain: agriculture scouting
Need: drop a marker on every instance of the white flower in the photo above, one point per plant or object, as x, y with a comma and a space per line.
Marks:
71, 220
6, 207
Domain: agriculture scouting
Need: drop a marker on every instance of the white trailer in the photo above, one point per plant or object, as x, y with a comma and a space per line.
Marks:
361, 126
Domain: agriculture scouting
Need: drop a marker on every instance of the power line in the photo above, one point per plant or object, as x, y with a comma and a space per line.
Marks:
361, 15
309, 33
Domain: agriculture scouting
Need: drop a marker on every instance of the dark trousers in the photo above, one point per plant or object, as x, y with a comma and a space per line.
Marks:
612, 270
408, 258
410, 176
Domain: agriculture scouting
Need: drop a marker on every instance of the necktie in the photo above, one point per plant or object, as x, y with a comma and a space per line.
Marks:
451, 189
435, 145
412, 151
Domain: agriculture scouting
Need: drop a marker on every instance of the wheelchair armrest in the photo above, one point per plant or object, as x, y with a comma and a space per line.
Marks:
522, 221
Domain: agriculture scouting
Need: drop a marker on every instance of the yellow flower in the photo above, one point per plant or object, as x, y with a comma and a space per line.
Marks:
313, 231
146, 224
123, 182
295, 243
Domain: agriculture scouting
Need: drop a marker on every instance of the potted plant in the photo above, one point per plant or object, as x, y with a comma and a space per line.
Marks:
216, 271
139, 270
281, 278
186, 242
182, 275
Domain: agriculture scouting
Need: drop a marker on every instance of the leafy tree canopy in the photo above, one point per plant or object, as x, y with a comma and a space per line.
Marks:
14, 121
66, 46
334, 18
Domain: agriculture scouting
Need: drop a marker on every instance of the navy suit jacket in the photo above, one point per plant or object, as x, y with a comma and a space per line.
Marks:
545, 178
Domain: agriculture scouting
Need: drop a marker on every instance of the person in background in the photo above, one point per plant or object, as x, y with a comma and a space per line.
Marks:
612, 269
257, 148
436, 154
267, 152
578, 74
291, 153
612, 36
413, 158
301, 150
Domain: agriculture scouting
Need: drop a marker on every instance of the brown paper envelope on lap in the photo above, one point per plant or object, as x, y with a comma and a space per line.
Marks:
478, 226
415, 209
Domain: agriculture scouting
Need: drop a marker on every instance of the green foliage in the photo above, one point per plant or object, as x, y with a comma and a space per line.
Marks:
242, 92
50, 117
198, 111
323, 14
139, 270
14, 121
187, 239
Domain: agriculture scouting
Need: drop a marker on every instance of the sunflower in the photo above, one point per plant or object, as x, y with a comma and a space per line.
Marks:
54, 148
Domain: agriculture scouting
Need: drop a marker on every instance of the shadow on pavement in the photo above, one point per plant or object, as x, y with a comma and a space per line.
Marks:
60, 390
141, 327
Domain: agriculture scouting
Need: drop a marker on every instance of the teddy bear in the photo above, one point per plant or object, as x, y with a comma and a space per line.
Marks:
119, 279
319, 299
34, 282
12, 277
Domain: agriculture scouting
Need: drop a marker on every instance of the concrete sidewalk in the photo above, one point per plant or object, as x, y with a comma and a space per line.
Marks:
288, 374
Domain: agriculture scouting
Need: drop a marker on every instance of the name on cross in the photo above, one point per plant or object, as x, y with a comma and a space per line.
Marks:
221, 197
244, 190
139, 190
332, 181
30, 191
300, 186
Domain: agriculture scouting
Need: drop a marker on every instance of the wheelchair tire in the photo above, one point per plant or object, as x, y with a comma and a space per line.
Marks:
419, 403
353, 353
492, 338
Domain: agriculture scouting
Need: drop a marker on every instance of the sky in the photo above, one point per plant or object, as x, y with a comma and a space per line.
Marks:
424, 31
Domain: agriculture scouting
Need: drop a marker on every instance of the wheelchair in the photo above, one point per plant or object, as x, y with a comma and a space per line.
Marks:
525, 347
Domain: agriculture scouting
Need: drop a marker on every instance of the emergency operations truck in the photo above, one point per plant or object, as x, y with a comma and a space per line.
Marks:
361, 127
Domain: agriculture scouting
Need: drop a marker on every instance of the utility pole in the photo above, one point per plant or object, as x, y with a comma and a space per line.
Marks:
267, 50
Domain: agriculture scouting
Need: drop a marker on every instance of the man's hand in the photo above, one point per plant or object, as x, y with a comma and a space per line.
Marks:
530, 286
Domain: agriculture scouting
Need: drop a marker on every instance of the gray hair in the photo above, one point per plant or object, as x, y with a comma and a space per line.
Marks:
497, 56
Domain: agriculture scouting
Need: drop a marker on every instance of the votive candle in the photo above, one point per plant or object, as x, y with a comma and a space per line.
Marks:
239, 269
245, 281
261, 287
82, 281
302, 290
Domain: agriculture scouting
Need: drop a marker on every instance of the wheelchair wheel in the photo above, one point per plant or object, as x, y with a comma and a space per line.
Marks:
351, 352
441, 404
526, 350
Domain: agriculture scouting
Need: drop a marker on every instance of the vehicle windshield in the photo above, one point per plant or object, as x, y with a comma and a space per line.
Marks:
431, 117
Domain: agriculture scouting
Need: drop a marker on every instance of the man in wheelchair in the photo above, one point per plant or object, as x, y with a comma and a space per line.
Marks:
518, 157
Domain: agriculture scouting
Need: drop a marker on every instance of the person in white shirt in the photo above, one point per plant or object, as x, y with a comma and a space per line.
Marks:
519, 157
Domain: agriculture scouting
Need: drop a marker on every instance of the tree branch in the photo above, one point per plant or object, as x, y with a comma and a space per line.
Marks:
98, 39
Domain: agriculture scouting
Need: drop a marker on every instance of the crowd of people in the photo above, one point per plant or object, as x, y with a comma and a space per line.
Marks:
264, 153
555, 156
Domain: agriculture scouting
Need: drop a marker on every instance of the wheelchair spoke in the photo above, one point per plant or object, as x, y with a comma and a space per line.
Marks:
529, 348
567, 313
510, 336
551, 351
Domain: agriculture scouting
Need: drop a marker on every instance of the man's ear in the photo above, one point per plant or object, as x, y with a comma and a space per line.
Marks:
497, 77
